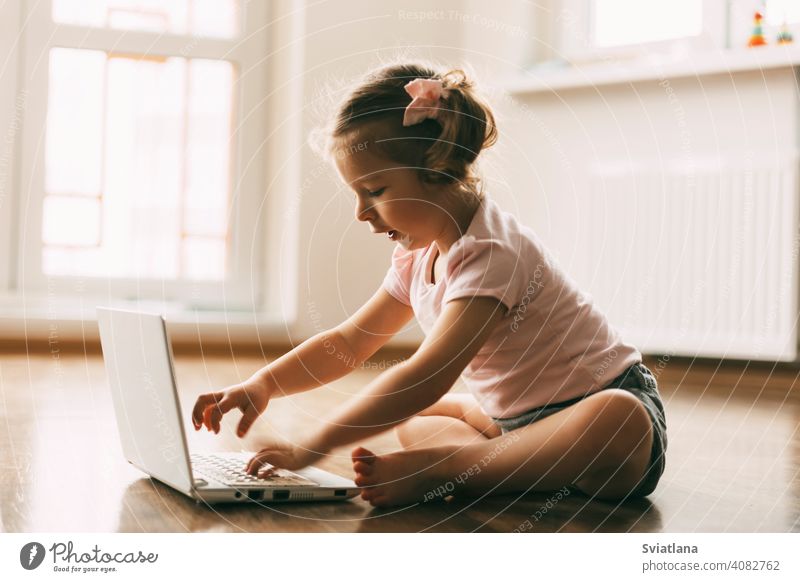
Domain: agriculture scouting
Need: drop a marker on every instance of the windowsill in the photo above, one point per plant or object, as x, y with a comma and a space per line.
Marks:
59, 320
546, 79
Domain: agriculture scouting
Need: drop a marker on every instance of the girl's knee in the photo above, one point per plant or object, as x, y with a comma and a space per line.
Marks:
625, 435
623, 425
453, 404
418, 429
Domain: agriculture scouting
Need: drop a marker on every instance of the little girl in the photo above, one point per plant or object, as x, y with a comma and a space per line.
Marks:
556, 399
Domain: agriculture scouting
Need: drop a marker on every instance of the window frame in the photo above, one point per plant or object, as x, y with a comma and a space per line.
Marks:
242, 287
12, 104
572, 27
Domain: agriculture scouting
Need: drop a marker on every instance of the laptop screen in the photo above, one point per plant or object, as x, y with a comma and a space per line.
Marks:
138, 362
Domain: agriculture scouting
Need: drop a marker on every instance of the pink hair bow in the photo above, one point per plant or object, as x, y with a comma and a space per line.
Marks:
426, 94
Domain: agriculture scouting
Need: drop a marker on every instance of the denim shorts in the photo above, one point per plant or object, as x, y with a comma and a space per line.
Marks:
639, 381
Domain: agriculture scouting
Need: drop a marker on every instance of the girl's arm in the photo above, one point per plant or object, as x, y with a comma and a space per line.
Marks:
403, 390
321, 359
331, 354
413, 385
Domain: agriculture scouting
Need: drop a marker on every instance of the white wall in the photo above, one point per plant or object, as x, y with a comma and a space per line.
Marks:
668, 276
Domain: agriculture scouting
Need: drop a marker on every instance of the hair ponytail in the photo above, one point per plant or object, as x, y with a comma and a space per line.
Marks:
468, 127
443, 150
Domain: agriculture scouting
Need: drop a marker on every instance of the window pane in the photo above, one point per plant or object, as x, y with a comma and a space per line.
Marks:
779, 11
144, 160
208, 148
213, 18
164, 164
74, 150
71, 220
60, 261
621, 22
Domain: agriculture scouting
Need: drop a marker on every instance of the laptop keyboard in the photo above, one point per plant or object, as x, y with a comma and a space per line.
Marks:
229, 468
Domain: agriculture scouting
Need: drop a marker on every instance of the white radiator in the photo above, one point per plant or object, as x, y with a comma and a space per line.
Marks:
697, 261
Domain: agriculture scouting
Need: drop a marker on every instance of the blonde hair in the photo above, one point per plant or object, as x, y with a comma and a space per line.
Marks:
443, 150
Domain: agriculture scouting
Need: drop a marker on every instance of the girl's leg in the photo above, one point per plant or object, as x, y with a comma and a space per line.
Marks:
601, 444
456, 419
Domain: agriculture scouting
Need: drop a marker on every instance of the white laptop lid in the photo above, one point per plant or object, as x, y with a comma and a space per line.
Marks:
137, 356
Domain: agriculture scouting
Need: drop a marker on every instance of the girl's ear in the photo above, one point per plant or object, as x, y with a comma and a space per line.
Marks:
428, 189
427, 179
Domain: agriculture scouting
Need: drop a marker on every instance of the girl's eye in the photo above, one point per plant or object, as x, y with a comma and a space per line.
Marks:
377, 192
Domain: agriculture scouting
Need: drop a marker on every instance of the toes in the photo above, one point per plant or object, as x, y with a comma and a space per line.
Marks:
362, 468
363, 455
362, 481
366, 480
370, 493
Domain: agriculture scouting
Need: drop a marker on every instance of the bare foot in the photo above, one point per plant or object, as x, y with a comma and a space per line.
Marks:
403, 477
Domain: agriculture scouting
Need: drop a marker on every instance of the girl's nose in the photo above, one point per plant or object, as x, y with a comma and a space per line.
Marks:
364, 210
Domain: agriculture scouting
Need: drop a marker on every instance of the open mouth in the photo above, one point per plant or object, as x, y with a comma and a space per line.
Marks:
397, 236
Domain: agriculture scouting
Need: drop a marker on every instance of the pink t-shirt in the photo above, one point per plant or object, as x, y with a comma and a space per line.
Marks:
552, 344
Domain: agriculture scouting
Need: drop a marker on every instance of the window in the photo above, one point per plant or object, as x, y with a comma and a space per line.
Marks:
621, 22
594, 29
135, 173
211, 18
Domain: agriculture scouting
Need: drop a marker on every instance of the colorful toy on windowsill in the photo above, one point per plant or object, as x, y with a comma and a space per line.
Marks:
757, 37
784, 36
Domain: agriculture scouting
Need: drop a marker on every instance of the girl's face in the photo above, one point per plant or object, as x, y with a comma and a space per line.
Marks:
393, 200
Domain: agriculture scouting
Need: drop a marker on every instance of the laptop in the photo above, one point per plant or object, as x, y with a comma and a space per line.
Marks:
138, 359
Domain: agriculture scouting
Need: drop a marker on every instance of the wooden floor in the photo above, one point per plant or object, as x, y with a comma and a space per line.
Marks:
732, 465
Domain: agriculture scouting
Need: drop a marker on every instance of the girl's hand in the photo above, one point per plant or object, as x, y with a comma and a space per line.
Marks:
251, 397
283, 455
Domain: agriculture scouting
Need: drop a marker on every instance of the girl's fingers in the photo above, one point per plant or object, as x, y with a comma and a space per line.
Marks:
210, 408
267, 473
200, 406
208, 417
248, 418
276, 456
255, 464
217, 412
